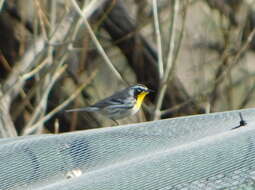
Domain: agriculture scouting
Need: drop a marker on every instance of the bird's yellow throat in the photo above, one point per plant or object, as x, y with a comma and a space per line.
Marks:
140, 99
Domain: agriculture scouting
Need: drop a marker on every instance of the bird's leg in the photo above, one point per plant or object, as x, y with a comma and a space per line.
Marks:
116, 122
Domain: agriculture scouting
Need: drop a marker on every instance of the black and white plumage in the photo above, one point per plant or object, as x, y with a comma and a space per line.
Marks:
121, 104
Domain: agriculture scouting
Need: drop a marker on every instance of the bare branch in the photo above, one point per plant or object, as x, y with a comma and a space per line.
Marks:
170, 61
95, 40
158, 35
1, 4
43, 102
32, 57
60, 107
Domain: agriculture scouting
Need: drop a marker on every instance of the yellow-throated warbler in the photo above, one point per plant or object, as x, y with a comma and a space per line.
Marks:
121, 104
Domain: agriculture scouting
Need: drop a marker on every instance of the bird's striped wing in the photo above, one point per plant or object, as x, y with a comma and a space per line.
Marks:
116, 100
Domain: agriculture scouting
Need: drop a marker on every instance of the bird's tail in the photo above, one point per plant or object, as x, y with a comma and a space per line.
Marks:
86, 109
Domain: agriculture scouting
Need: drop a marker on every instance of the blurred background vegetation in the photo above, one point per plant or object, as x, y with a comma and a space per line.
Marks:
198, 56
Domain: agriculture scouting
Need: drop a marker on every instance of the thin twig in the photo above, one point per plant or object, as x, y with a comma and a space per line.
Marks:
227, 67
248, 97
50, 78
76, 30
95, 40
13, 83
7, 128
237, 56
42, 19
205, 92
33, 56
35, 70
158, 35
1, 4
170, 60
43, 101
61, 106
179, 40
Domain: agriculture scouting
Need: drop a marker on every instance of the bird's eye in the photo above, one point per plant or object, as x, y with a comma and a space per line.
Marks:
139, 90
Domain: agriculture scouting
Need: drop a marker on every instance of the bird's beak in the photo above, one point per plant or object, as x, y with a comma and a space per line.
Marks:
149, 90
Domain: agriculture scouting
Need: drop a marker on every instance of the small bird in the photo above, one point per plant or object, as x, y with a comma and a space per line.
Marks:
122, 104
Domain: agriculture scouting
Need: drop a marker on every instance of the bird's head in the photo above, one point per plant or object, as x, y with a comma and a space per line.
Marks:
139, 92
